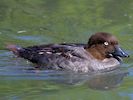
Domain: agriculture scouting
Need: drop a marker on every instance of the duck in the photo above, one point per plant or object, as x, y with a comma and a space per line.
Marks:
101, 53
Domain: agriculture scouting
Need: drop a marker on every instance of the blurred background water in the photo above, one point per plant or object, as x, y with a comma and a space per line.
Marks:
34, 22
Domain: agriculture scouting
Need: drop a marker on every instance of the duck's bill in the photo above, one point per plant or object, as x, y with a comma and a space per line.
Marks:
119, 53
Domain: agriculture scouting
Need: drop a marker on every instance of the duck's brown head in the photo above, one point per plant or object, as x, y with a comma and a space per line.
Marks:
104, 45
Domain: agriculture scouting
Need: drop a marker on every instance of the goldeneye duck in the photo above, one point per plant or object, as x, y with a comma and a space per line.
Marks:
102, 52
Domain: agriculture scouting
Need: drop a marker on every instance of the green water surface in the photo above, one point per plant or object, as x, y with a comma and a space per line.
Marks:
34, 22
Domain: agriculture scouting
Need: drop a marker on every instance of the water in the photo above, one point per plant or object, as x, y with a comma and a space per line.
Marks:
31, 22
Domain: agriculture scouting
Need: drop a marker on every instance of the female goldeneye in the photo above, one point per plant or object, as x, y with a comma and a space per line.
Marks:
102, 52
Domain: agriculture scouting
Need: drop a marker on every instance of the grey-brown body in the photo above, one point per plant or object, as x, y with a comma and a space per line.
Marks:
66, 57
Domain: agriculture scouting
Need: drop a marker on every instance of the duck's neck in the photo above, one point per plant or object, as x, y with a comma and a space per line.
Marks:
96, 53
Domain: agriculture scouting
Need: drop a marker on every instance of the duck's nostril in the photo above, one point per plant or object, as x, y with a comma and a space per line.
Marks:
125, 54
120, 52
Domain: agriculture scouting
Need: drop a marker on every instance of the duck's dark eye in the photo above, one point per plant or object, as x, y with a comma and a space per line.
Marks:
106, 43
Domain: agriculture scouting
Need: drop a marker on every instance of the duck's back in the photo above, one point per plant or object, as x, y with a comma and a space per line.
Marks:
57, 56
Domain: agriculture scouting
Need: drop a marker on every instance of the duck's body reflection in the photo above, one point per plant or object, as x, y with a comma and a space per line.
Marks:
107, 80
99, 81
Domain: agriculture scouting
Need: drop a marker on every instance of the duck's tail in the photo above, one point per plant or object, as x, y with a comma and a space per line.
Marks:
14, 48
